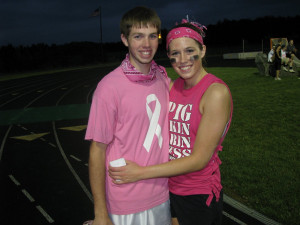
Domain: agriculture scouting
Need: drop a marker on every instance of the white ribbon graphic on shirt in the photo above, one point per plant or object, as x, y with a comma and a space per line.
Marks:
154, 127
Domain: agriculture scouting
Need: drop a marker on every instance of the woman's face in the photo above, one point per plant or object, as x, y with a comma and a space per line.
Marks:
186, 57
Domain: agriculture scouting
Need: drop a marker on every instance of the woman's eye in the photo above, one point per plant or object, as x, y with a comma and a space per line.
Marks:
190, 51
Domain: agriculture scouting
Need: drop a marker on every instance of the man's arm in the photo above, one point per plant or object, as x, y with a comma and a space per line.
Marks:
97, 175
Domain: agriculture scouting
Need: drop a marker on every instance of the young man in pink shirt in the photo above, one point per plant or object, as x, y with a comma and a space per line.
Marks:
129, 119
200, 115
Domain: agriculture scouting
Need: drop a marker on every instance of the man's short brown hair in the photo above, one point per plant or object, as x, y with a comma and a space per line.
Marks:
139, 17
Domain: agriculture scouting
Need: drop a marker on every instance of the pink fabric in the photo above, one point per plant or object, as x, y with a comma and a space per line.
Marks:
136, 76
183, 32
186, 32
184, 119
131, 117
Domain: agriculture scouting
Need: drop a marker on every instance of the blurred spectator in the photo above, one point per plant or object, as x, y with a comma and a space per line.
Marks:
286, 61
291, 50
271, 55
277, 60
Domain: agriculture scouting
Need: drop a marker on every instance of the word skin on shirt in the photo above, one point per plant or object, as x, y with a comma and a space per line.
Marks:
180, 140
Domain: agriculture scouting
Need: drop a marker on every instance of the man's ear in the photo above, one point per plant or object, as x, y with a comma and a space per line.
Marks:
124, 40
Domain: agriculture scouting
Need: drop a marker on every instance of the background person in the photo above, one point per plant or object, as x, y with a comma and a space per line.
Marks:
277, 61
286, 61
199, 118
291, 49
271, 54
128, 118
271, 59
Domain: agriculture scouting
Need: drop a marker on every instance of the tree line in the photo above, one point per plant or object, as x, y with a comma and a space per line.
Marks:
223, 36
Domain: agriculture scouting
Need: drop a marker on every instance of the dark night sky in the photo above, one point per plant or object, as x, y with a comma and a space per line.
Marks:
26, 22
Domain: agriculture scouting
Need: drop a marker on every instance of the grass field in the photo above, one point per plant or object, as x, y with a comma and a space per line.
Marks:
260, 159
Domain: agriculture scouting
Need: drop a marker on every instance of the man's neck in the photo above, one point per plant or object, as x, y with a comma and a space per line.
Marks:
143, 68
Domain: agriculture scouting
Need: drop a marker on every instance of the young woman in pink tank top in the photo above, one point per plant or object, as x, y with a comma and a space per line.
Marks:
200, 113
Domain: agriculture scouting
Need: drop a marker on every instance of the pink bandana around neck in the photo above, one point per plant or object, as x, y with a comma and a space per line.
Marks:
136, 76
183, 32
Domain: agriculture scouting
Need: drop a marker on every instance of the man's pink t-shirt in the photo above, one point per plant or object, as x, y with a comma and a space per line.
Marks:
132, 119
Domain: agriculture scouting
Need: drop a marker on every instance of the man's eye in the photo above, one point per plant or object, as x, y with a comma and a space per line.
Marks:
153, 36
137, 37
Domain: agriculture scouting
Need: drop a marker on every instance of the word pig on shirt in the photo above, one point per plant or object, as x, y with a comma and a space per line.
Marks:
179, 127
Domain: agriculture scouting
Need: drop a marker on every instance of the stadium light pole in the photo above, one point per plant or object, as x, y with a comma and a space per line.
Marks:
98, 12
101, 44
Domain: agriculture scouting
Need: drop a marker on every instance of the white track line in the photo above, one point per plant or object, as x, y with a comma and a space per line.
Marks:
14, 180
239, 206
233, 218
72, 156
45, 214
4, 140
69, 164
31, 199
53, 145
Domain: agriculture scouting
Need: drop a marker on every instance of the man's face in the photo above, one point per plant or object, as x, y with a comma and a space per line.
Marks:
142, 44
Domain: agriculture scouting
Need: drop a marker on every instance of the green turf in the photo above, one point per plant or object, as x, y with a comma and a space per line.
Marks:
260, 159
44, 114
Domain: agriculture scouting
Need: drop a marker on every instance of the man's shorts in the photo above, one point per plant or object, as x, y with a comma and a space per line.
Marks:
192, 209
159, 215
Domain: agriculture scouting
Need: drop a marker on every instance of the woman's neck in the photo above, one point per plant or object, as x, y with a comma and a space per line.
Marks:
189, 83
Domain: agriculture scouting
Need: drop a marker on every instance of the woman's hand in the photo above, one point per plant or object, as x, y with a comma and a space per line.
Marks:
130, 173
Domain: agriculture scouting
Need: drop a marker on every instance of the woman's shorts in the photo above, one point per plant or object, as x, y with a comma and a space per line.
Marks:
192, 209
277, 64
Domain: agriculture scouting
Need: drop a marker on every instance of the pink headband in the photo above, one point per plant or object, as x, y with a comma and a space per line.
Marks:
186, 32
